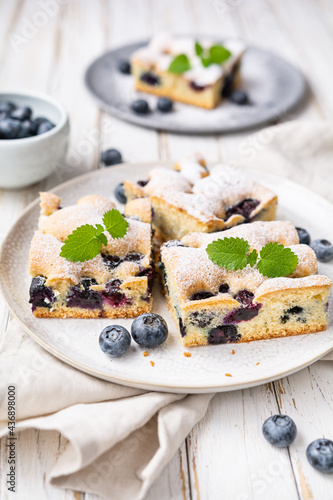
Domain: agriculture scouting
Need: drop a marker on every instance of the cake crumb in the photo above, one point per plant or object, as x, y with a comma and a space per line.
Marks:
232, 352
145, 353
187, 354
152, 363
228, 374
258, 363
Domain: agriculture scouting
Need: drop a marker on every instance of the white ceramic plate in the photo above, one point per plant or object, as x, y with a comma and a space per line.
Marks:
274, 86
76, 341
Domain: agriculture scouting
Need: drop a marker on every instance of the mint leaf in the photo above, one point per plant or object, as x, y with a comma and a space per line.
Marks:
81, 244
102, 238
206, 61
219, 54
229, 253
252, 258
180, 64
276, 260
115, 224
198, 49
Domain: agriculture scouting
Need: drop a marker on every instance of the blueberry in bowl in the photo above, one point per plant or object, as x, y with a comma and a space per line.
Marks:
149, 330
114, 341
34, 134
279, 430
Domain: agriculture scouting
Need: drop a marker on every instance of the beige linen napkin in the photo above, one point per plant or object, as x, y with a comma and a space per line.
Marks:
107, 425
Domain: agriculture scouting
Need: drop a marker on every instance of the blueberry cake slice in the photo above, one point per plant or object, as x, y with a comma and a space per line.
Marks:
190, 199
116, 283
212, 305
201, 85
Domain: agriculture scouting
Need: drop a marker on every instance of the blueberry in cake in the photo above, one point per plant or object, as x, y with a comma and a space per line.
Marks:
191, 199
116, 283
194, 72
213, 305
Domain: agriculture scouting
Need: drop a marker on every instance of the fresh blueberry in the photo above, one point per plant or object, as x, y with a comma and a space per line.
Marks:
120, 193
111, 157
239, 97
27, 130
21, 113
140, 106
32, 125
124, 67
164, 104
149, 330
304, 237
40, 119
10, 129
323, 250
45, 126
7, 107
280, 430
114, 341
320, 455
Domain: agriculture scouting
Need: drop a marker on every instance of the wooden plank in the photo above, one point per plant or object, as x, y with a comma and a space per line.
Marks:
229, 457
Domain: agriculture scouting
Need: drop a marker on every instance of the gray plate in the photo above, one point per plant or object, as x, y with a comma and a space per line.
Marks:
273, 85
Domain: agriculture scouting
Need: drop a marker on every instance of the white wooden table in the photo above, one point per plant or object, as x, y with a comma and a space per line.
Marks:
224, 457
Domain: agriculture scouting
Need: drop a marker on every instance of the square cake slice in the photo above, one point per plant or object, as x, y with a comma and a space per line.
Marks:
189, 199
201, 83
116, 283
212, 305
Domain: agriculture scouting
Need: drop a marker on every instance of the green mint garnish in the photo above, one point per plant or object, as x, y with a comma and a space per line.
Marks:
276, 260
198, 49
219, 54
216, 54
233, 253
180, 64
86, 241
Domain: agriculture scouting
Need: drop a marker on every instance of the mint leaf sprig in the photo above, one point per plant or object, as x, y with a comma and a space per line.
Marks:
216, 54
86, 241
273, 261
180, 64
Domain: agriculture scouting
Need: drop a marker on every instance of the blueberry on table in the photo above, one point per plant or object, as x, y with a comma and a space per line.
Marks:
120, 193
149, 330
279, 430
140, 106
124, 67
323, 250
320, 455
164, 104
304, 237
45, 126
114, 341
6, 107
239, 97
21, 113
111, 157
10, 129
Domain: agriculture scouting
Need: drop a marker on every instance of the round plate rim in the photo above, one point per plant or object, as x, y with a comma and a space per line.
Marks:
139, 120
230, 385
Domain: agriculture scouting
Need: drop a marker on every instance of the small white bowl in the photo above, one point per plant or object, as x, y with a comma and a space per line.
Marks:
26, 161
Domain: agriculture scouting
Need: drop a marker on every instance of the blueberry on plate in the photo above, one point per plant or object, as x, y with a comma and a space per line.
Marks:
140, 106
149, 330
239, 97
320, 455
45, 126
6, 107
114, 341
164, 104
10, 129
304, 237
323, 250
124, 67
111, 157
21, 113
279, 430
120, 193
